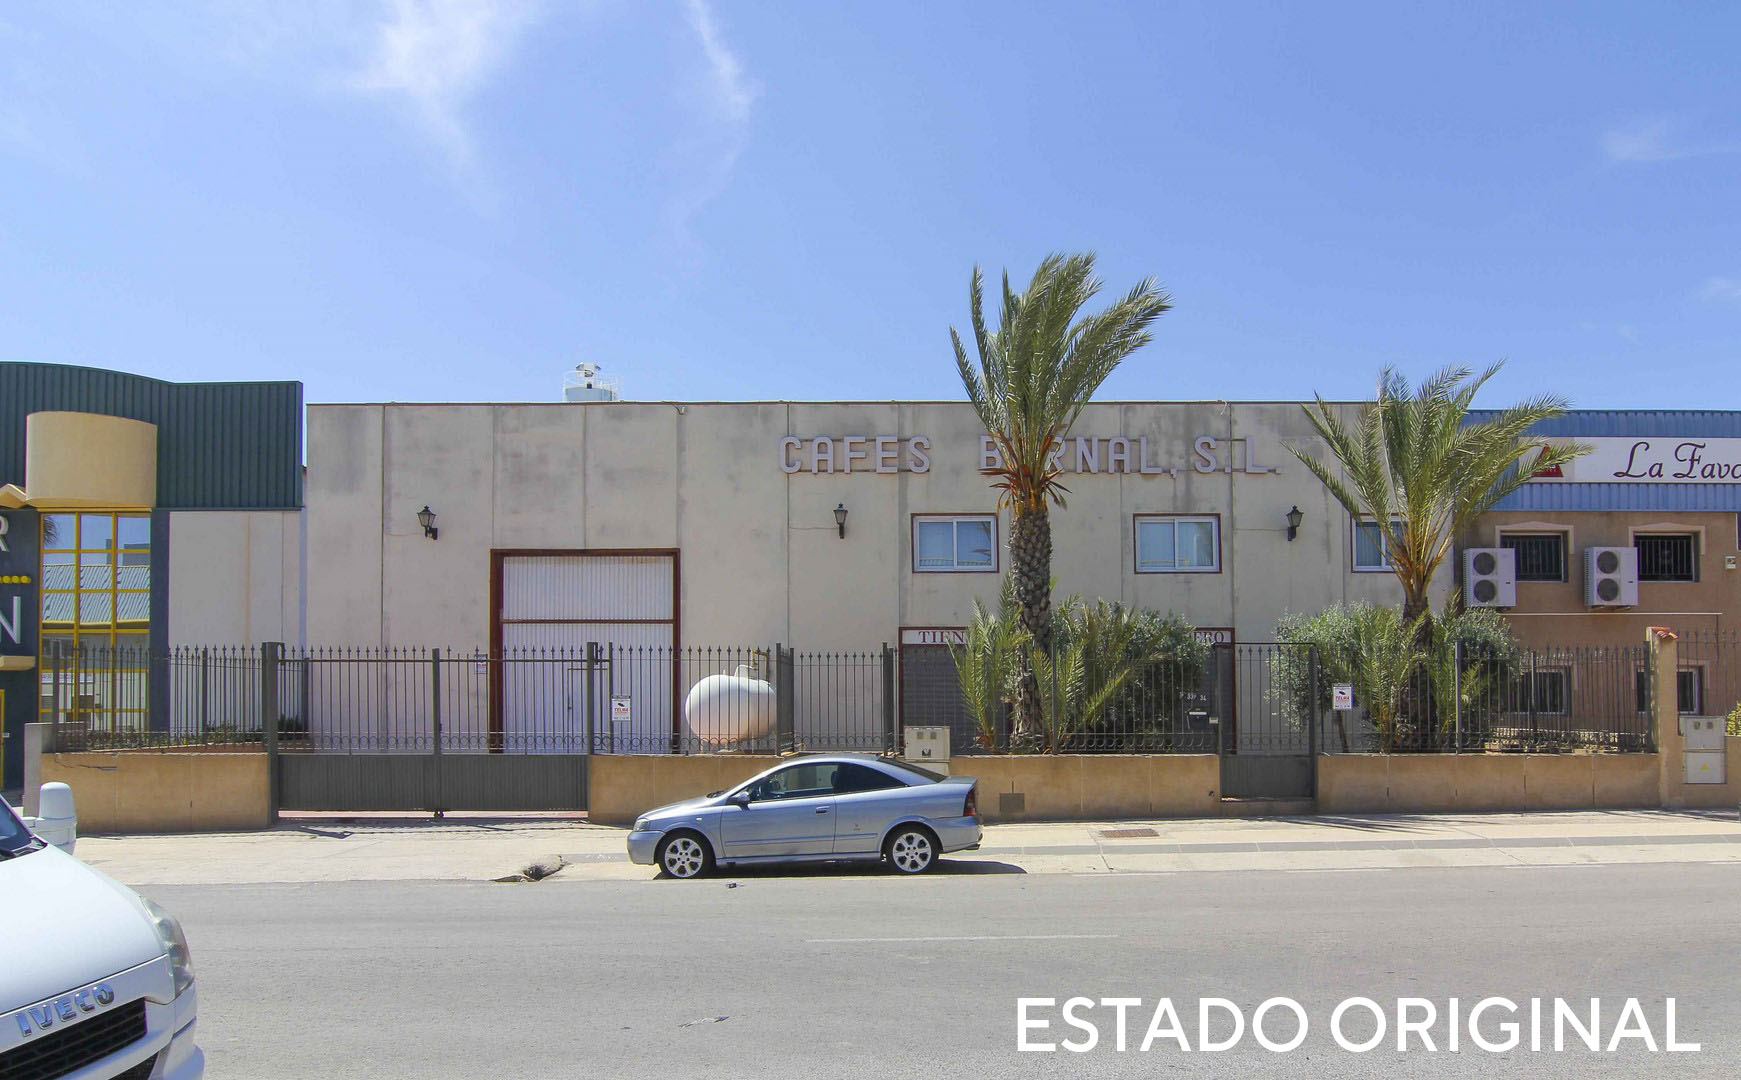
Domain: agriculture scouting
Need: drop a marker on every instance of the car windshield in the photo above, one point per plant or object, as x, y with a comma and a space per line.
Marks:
14, 837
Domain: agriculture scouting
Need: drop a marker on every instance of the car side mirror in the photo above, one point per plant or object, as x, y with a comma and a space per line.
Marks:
739, 798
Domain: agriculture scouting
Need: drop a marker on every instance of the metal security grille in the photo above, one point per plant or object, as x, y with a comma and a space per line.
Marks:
62, 1051
1540, 556
931, 696
1672, 557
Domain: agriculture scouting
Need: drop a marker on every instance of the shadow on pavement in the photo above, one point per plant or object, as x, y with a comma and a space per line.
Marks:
944, 868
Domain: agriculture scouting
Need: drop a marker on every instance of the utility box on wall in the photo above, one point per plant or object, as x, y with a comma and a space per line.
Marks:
1705, 749
925, 745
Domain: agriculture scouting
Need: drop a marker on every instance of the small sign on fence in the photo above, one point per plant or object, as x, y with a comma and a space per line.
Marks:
1342, 696
619, 710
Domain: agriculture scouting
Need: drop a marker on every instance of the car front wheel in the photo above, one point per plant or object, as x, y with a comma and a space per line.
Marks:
912, 850
685, 855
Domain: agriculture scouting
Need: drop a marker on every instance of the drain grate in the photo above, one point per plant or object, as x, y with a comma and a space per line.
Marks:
1127, 834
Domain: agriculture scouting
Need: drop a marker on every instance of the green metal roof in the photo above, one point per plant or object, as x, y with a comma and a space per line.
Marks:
234, 445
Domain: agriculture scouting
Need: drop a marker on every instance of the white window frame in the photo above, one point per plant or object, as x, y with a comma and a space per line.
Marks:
955, 567
1385, 565
1137, 522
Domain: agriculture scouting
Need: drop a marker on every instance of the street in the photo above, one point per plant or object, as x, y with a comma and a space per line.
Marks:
836, 973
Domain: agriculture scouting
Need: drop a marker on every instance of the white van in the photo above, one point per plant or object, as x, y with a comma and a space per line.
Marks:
95, 980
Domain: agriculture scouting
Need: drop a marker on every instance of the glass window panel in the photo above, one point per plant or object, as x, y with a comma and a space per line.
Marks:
973, 544
60, 531
59, 576
132, 607
57, 606
1368, 545
1196, 543
133, 577
133, 531
96, 532
1154, 541
96, 577
135, 557
96, 609
936, 544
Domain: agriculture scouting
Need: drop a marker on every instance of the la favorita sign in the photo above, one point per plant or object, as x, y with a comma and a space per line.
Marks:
1653, 461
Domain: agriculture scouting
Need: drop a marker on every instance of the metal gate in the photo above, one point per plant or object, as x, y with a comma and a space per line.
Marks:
413, 730
1266, 696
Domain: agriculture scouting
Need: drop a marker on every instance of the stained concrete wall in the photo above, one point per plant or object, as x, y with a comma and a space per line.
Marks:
621, 787
1094, 787
1464, 783
761, 558
235, 577
144, 791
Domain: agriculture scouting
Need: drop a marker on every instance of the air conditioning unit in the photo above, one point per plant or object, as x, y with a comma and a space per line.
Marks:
1611, 576
1490, 577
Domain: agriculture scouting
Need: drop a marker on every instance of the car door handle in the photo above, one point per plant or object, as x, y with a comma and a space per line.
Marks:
822, 809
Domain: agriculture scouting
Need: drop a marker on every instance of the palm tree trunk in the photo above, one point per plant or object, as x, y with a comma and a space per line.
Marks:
1418, 705
1031, 563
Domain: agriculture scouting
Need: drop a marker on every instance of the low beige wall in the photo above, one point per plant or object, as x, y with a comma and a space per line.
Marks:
1453, 783
143, 791
1678, 794
622, 786
1046, 787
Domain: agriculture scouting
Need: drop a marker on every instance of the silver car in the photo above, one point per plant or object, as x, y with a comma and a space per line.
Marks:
815, 808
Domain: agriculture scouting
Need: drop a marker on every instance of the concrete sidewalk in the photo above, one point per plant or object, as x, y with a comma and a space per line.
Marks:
480, 848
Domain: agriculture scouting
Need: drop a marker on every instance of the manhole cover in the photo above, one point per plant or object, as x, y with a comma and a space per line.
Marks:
1127, 834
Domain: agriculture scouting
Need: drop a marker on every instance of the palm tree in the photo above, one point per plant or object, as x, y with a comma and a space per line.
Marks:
1036, 372
1421, 471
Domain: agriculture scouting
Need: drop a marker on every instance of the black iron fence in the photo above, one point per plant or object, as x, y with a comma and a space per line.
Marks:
1465, 700
601, 699
1708, 679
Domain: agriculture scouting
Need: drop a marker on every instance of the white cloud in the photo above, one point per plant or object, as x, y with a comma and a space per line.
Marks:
435, 54
1655, 138
1722, 289
733, 93
728, 96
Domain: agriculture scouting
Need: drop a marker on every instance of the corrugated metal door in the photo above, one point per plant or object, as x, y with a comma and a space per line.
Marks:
627, 602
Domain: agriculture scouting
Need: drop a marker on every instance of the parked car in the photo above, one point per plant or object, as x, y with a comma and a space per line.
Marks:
815, 808
95, 980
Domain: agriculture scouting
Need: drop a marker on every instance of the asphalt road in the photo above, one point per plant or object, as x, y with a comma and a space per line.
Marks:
842, 974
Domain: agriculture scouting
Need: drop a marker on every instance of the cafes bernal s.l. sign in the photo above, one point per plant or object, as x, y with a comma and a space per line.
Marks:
1653, 461
1076, 454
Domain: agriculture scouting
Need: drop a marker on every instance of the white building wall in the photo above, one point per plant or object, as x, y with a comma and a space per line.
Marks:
760, 557
235, 577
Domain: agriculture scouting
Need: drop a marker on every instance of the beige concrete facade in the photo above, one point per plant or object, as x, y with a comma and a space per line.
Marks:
235, 577
760, 556
1554, 613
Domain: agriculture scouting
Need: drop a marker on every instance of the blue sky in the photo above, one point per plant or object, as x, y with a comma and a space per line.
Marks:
460, 199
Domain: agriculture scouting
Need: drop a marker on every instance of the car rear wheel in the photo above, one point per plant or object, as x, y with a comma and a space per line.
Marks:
911, 850
685, 855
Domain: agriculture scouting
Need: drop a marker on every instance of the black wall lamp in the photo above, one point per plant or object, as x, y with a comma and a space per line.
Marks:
1294, 519
426, 518
840, 519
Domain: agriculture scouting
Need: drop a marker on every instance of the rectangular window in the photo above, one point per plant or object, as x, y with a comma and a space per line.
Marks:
1689, 691
1667, 557
1540, 556
1543, 692
1168, 544
1371, 553
955, 544
95, 612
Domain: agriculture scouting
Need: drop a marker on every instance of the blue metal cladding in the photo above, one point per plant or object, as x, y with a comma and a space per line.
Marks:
1626, 423
219, 445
